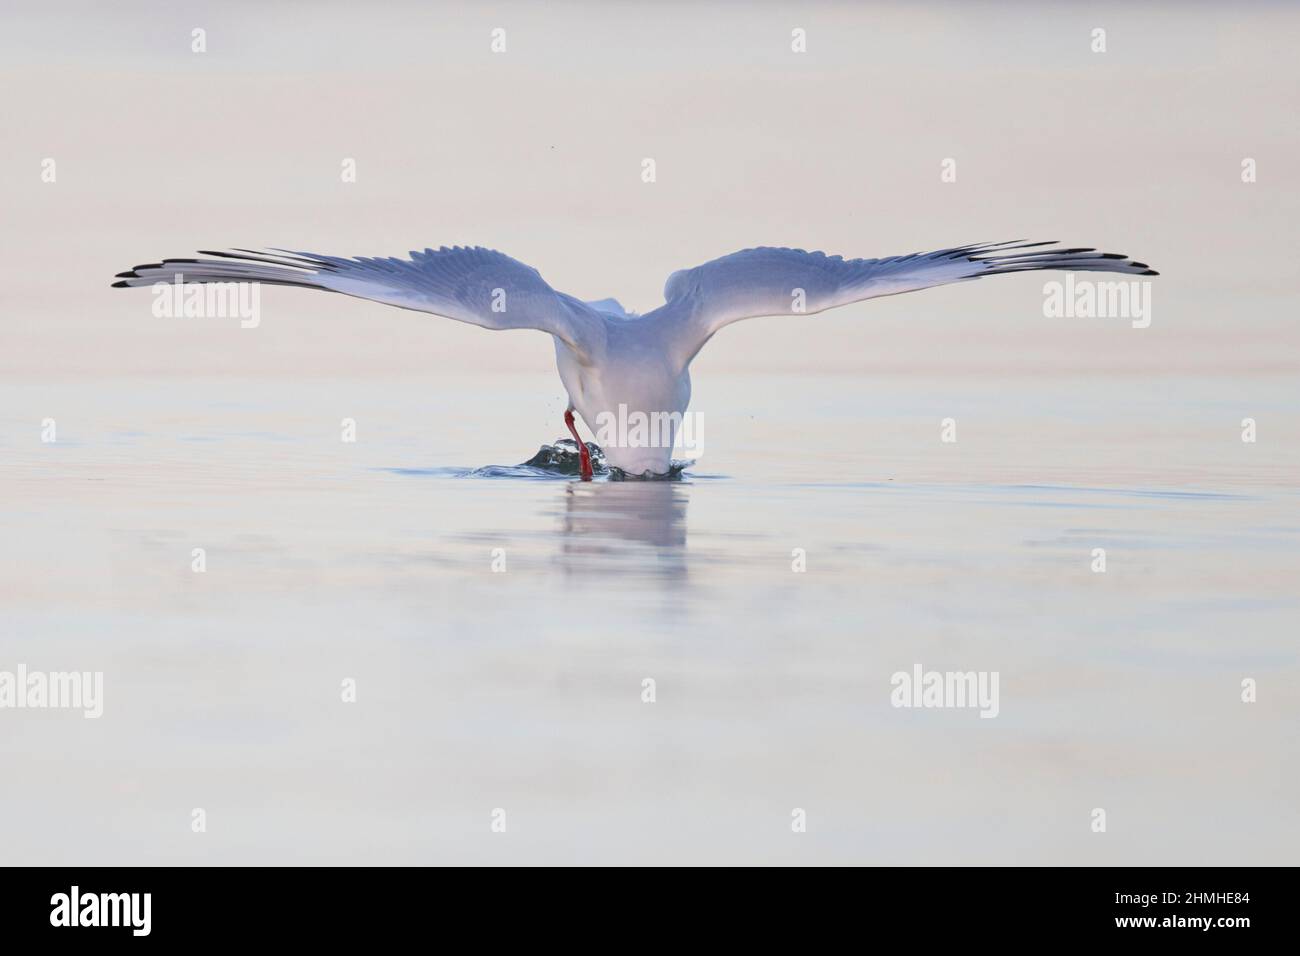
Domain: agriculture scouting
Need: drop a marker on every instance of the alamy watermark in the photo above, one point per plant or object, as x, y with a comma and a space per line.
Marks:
56, 690
680, 431
75, 908
1091, 299
946, 689
208, 300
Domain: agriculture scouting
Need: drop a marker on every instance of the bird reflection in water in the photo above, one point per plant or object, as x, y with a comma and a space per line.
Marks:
624, 527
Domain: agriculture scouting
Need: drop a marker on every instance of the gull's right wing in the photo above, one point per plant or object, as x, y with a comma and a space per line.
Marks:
771, 281
479, 286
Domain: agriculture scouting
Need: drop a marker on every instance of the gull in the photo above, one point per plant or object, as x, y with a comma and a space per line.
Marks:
615, 364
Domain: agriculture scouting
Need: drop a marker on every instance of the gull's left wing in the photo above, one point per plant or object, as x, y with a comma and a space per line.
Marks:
769, 281
480, 286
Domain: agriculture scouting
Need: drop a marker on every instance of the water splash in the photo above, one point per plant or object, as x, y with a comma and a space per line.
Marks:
560, 460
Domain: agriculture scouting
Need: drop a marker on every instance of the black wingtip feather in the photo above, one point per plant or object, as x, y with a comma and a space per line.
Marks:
120, 285
248, 255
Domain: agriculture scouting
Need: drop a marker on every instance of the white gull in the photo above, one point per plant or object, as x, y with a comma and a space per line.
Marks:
615, 365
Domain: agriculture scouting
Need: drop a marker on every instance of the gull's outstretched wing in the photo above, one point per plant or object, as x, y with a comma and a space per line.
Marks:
768, 281
479, 286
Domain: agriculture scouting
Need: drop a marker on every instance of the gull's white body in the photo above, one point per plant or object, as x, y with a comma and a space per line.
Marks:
615, 365
631, 368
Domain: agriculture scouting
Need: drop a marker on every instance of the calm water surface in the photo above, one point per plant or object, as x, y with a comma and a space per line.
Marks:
478, 689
